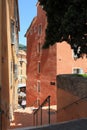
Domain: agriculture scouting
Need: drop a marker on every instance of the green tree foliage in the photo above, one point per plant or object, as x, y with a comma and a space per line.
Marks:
67, 21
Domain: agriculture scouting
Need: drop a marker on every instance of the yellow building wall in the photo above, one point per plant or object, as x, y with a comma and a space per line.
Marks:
0, 51
8, 55
0, 23
5, 66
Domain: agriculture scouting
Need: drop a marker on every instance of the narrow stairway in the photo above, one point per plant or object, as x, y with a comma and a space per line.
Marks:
80, 124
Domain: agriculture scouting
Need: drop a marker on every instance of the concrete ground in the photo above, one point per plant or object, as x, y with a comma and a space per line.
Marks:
80, 124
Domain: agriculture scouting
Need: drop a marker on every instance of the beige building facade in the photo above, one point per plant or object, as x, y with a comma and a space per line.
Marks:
9, 28
22, 67
21, 76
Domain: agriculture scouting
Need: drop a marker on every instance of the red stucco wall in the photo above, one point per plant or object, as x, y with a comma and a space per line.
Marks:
47, 59
56, 60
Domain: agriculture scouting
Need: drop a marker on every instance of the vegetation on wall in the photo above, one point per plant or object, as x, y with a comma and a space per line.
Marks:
22, 47
67, 21
84, 75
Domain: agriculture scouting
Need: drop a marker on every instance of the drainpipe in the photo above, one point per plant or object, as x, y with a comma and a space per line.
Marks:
0, 61
0, 46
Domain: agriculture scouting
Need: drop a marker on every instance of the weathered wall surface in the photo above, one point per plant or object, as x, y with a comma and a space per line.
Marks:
71, 103
76, 85
47, 60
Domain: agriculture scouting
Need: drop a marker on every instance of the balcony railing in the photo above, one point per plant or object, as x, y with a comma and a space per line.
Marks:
36, 117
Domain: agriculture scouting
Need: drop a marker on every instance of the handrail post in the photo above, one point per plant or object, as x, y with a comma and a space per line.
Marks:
49, 110
41, 116
34, 119
47, 100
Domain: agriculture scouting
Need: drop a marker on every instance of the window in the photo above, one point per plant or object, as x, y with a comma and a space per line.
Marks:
42, 6
11, 74
31, 31
38, 86
12, 33
15, 14
21, 71
38, 102
21, 80
75, 56
38, 67
77, 71
52, 83
38, 48
15, 71
39, 29
35, 29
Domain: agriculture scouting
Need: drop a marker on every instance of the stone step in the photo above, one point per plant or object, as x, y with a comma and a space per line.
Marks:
80, 124
23, 128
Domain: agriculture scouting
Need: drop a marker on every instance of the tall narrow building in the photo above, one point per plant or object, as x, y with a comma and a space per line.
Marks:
41, 64
9, 39
44, 64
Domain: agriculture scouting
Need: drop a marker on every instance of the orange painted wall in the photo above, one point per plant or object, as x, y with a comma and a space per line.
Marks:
67, 109
65, 60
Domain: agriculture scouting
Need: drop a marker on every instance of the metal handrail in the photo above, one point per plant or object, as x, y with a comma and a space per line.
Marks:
47, 100
75, 102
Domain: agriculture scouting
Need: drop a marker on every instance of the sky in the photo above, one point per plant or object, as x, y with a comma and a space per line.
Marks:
27, 11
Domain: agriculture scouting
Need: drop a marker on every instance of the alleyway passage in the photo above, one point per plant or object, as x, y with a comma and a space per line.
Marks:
24, 117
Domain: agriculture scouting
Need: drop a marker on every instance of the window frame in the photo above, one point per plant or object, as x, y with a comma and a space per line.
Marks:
39, 67
12, 32
38, 86
78, 70
39, 29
